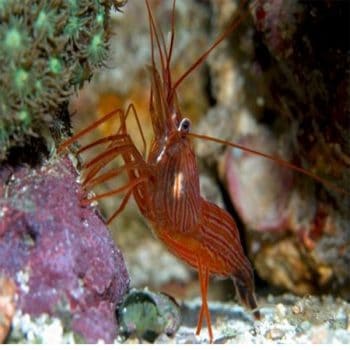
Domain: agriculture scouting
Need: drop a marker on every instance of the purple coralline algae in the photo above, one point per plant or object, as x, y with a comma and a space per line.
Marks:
58, 251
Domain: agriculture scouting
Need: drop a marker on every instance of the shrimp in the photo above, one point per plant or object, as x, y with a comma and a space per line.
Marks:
165, 184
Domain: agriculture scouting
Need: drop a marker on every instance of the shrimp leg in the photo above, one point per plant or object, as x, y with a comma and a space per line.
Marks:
102, 160
117, 112
204, 280
112, 139
122, 205
120, 145
110, 174
132, 184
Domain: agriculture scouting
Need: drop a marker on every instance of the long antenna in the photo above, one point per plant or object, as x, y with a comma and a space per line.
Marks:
231, 28
277, 160
153, 31
172, 38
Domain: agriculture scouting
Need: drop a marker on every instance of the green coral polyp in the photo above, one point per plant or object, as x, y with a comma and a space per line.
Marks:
24, 117
100, 18
73, 6
21, 79
47, 50
38, 86
55, 65
97, 49
45, 22
73, 27
13, 40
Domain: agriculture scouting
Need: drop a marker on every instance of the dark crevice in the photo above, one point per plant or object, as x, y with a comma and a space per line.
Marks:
32, 151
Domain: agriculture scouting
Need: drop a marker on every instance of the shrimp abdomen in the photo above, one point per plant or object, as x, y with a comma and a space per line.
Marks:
219, 233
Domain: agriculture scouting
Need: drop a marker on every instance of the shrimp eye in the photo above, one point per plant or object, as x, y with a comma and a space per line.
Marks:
185, 125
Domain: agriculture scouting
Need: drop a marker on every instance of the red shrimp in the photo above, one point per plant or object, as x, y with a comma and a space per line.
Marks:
165, 185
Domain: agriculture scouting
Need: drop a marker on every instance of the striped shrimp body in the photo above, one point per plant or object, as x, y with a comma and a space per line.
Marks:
165, 184
197, 231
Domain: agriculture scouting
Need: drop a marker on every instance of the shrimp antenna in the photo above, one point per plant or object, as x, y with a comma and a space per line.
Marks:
172, 38
231, 28
277, 160
164, 54
155, 33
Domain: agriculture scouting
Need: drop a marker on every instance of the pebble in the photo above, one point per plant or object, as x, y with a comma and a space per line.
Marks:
281, 310
297, 309
274, 334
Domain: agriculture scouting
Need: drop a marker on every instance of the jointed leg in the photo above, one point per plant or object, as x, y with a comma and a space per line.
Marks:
93, 181
106, 155
122, 206
119, 112
204, 281
91, 127
132, 108
130, 185
118, 145
112, 139
102, 160
200, 318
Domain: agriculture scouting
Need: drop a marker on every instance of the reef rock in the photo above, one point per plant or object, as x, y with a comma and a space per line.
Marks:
58, 252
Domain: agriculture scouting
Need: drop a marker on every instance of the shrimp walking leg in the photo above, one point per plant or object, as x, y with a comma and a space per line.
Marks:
204, 281
114, 173
131, 184
108, 139
102, 160
121, 145
121, 206
119, 112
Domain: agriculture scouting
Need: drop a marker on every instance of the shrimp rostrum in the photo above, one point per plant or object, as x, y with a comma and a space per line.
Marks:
165, 184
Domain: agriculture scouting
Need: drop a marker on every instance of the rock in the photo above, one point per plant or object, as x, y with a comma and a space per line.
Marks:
7, 305
147, 315
274, 334
58, 252
233, 324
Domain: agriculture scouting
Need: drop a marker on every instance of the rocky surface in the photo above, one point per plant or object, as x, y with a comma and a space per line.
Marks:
59, 254
285, 320
7, 306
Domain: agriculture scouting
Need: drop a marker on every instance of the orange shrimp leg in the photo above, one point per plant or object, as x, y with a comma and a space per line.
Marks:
120, 145
122, 204
109, 175
102, 160
117, 112
112, 139
204, 280
113, 149
121, 189
88, 129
